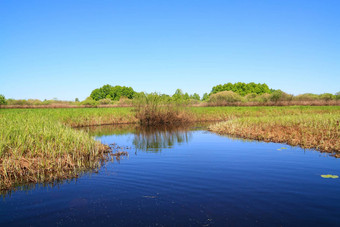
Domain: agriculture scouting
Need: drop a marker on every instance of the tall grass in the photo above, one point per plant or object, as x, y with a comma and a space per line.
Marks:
36, 148
154, 109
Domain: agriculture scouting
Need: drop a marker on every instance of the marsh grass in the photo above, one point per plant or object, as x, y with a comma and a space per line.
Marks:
37, 148
320, 131
154, 109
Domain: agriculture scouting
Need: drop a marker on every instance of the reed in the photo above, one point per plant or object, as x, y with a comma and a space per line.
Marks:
154, 109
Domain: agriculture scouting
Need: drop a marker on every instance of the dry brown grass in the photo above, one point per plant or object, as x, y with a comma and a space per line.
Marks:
318, 131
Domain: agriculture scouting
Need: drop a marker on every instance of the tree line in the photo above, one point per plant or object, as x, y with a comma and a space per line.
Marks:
229, 92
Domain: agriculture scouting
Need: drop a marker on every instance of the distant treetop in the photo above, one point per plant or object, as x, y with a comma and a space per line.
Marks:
113, 93
2, 100
243, 88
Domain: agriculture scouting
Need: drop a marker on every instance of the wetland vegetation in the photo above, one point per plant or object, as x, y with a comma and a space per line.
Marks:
41, 145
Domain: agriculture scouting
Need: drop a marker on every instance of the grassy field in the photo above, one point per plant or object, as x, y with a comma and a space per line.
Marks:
40, 145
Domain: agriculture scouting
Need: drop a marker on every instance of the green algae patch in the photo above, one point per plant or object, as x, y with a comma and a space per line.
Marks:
330, 176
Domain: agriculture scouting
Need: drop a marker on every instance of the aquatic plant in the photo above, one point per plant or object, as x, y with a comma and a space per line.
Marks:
330, 176
155, 109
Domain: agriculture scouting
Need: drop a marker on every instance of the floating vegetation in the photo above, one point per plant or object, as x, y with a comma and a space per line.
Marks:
282, 148
330, 176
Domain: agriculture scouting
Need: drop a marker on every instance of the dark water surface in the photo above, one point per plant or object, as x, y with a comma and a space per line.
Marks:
188, 178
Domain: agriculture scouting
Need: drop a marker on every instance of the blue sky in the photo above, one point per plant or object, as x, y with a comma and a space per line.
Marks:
65, 49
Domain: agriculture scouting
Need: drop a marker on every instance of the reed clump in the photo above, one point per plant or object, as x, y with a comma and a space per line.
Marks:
320, 131
155, 109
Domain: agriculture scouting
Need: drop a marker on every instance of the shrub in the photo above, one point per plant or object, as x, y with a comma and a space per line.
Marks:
327, 96
263, 98
337, 95
105, 101
279, 95
251, 97
124, 101
89, 101
34, 102
17, 102
225, 97
306, 97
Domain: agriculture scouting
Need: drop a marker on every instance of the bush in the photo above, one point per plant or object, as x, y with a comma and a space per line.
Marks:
337, 95
224, 97
89, 102
251, 97
125, 101
105, 101
279, 95
327, 96
34, 102
17, 102
263, 98
306, 97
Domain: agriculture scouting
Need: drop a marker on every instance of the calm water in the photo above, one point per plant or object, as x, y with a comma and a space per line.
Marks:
188, 178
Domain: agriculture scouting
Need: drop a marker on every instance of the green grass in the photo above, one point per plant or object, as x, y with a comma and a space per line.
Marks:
37, 148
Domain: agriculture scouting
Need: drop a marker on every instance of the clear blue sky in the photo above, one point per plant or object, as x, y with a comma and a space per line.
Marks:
66, 48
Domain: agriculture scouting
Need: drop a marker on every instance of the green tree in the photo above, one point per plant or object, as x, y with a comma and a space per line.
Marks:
186, 96
178, 96
3, 100
242, 88
195, 96
205, 97
76, 100
337, 95
114, 92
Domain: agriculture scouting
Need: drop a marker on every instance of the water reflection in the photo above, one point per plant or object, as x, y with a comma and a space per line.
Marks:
150, 139
154, 139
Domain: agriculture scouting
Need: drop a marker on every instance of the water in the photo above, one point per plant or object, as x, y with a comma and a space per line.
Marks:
188, 178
